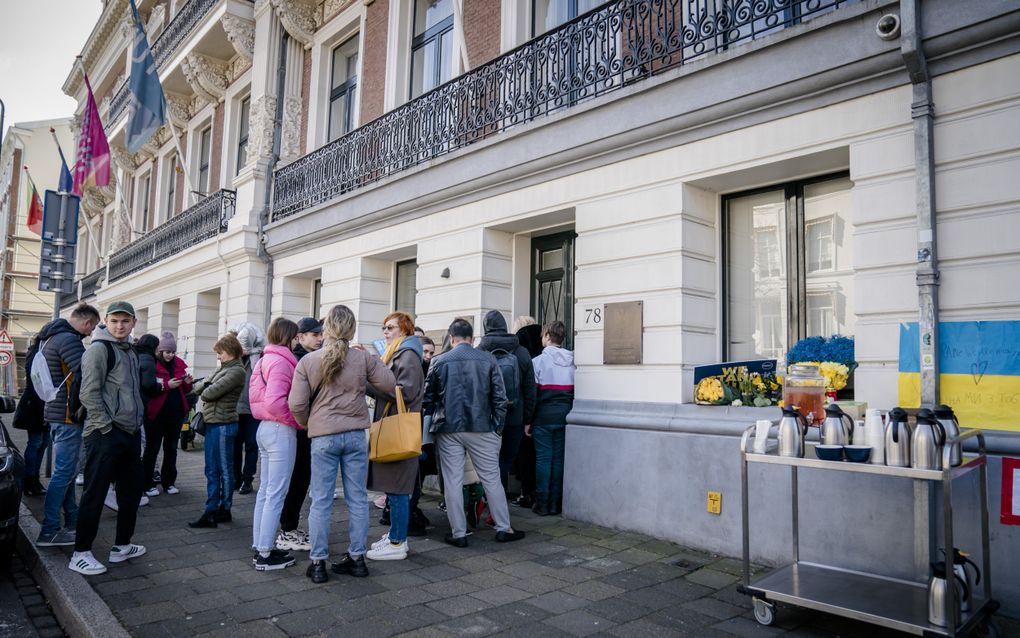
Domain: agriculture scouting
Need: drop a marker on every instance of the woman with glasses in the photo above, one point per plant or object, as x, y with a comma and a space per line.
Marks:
403, 356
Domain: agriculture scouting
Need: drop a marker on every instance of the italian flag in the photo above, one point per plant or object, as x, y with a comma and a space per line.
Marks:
35, 207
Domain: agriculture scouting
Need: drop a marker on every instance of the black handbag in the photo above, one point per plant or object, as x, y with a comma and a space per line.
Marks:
29, 413
198, 423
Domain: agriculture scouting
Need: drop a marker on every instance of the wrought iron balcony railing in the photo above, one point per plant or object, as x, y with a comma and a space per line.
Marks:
599, 52
119, 103
90, 283
202, 221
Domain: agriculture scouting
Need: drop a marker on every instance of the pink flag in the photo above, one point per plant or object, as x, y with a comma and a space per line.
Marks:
92, 163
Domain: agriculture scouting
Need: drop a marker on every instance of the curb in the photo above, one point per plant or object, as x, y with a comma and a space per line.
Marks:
78, 608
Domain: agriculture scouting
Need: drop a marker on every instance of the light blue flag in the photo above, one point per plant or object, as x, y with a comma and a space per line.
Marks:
146, 111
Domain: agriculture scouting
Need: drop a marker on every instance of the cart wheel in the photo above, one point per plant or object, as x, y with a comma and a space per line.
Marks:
764, 613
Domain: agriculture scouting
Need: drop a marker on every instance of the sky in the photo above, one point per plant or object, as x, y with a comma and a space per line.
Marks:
39, 40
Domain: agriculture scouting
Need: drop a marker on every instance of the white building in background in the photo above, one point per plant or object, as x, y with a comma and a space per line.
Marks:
23, 307
750, 186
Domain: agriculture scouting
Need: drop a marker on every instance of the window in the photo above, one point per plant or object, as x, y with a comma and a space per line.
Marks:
242, 134
316, 297
546, 15
142, 204
171, 185
432, 45
204, 159
343, 91
407, 286
785, 278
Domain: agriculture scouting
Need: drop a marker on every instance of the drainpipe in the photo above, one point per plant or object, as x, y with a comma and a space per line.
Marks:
923, 113
267, 259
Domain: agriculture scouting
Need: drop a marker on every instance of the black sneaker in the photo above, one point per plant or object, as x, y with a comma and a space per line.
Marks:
206, 520
272, 552
156, 478
317, 571
245, 487
33, 487
417, 531
456, 541
222, 516
419, 519
353, 565
273, 561
509, 537
524, 500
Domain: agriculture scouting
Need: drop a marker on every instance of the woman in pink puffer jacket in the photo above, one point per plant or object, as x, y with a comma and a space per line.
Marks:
277, 438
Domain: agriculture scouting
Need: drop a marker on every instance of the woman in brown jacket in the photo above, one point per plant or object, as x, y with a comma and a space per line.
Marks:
328, 398
403, 356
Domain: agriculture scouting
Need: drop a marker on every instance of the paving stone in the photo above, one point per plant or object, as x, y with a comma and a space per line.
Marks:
711, 578
619, 611
580, 623
52, 632
399, 581
545, 548
487, 579
458, 606
473, 625
144, 614
33, 599
533, 630
119, 586
575, 574
438, 573
448, 588
594, 590
682, 590
560, 560
714, 608
651, 597
616, 543
298, 601
299, 623
629, 579
352, 611
516, 614
643, 628
558, 602
501, 595
410, 596
265, 608
540, 584
253, 629
207, 601
659, 572
45, 622
747, 628
525, 569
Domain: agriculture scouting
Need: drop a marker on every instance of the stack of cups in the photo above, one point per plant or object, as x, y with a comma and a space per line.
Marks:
761, 435
874, 435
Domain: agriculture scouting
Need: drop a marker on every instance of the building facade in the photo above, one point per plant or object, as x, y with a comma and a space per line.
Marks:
749, 173
23, 307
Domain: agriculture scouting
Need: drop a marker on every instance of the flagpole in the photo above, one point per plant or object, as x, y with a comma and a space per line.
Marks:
88, 226
183, 163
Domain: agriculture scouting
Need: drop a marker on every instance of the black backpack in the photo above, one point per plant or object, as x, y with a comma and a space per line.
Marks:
511, 372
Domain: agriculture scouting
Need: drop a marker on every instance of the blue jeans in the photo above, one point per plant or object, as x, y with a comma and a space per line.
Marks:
549, 446
400, 512
34, 452
60, 492
277, 448
219, 466
347, 451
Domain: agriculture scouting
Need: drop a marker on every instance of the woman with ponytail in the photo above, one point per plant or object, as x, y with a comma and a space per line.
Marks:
328, 398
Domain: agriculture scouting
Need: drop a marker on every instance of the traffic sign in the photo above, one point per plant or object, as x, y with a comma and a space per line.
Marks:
6, 343
5, 358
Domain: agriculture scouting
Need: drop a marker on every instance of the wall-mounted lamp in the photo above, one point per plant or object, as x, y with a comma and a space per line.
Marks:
445, 274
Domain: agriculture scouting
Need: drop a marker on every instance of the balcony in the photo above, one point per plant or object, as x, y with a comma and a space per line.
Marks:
166, 44
203, 221
604, 50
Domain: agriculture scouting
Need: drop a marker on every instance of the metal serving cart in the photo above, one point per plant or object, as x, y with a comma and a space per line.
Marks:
888, 602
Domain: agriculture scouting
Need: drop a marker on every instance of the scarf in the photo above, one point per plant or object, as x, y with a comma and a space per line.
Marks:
391, 349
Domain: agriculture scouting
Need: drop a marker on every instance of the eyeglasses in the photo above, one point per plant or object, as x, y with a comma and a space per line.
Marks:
390, 327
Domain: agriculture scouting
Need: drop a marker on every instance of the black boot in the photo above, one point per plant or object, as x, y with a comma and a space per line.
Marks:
206, 520
317, 571
541, 506
222, 516
355, 566
384, 520
33, 487
556, 506
418, 525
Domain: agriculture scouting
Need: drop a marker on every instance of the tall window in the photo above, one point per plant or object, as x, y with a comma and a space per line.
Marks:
549, 14
204, 159
432, 45
407, 286
145, 219
316, 297
242, 134
789, 272
343, 91
171, 185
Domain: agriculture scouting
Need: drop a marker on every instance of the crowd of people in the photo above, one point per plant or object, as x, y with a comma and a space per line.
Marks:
295, 404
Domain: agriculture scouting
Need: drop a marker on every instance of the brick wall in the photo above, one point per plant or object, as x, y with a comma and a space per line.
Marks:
216, 152
306, 87
481, 30
372, 81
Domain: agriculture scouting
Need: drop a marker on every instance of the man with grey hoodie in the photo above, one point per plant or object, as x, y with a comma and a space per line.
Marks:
111, 395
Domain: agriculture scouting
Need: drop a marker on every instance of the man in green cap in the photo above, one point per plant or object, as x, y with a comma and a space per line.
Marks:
110, 393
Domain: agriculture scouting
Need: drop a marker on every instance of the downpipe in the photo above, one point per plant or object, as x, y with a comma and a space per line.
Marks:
263, 253
922, 112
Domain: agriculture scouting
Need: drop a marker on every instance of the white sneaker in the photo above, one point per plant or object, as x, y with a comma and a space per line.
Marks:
85, 563
389, 551
111, 499
296, 541
119, 554
142, 502
79, 480
152, 491
172, 490
382, 542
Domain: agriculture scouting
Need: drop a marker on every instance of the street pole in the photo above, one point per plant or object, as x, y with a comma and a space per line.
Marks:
61, 244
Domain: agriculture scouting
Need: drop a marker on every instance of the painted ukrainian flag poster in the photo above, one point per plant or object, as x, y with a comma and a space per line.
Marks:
980, 371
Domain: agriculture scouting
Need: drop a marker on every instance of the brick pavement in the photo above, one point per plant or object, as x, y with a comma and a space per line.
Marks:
564, 579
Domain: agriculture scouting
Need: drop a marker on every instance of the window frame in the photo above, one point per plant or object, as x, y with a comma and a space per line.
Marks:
796, 238
171, 186
142, 197
430, 35
396, 285
348, 89
205, 159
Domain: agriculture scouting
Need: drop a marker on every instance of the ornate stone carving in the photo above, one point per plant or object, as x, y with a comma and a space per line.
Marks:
104, 105
124, 160
331, 8
93, 201
241, 34
178, 107
298, 18
155, 23
290, 143
206, 76
151, 147
260, 130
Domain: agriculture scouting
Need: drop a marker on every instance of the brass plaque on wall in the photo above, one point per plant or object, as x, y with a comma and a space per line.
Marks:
623, 333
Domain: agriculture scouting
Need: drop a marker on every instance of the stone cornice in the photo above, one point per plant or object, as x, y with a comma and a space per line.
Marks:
241, 34
206, 76
298, 18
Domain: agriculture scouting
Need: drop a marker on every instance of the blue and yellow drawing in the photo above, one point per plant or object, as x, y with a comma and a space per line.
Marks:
979, 363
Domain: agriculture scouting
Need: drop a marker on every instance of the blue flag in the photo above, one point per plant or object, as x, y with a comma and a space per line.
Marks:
146, 111
66, 183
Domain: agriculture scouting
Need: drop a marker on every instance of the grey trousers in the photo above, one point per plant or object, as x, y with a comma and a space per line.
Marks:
484, 450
